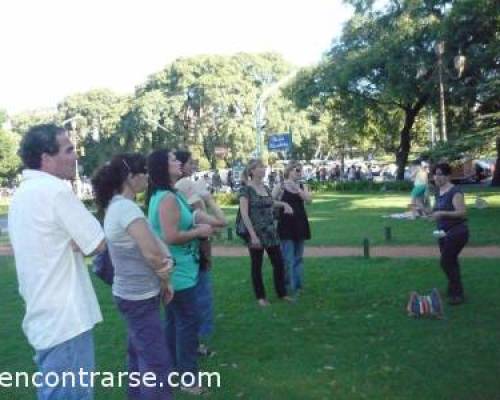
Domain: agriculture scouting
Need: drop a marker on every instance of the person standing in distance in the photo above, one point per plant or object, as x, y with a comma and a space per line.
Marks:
50, 231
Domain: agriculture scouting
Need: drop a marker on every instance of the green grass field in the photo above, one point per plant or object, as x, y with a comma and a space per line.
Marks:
348, 337
343, 219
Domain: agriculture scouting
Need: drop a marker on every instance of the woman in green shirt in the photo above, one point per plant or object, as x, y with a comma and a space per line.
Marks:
173, 220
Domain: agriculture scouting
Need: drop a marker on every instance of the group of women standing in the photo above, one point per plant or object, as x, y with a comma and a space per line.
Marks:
157, 261
284, 241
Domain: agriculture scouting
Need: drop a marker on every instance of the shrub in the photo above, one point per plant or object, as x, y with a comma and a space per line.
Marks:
361, 186
226, 199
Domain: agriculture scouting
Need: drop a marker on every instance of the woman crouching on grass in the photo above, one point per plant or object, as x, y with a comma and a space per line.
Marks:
142, 265
450, 214
173, 220
256, 208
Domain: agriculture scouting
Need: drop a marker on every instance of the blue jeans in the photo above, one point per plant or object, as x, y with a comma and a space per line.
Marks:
147, 348
293, 253
205, 304
182, 330
68, 356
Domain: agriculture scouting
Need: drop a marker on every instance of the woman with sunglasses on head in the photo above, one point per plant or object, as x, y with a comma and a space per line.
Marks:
293, 229
199, 198
450, 213
173, 220
142, 267
257, 214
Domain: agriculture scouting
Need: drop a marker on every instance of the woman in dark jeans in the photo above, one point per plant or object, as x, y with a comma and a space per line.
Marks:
256, 208
293, 229
450, 215
142, 267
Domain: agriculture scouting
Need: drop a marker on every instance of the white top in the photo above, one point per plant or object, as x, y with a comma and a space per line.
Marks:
45, 217
134, 278
120, 214
192, 190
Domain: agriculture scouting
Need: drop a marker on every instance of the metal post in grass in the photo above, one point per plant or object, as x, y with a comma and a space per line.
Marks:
388, 233
366, 248
229, 233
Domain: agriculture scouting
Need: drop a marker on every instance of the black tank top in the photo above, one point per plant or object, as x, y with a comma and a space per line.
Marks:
445, 203
295, 226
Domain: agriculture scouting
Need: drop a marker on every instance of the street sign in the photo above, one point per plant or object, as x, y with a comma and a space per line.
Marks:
279, 142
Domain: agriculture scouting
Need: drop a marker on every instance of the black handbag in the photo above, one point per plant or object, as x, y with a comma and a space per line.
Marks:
103, 267
240, 227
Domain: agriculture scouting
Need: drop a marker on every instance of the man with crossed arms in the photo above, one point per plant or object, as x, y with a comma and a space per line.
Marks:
51, 231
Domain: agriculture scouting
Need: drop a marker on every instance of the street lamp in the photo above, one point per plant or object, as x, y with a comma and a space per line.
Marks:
74, 139
260, 110
459, 64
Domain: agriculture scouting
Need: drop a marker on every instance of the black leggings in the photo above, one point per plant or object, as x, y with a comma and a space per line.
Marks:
276, 259
451, 246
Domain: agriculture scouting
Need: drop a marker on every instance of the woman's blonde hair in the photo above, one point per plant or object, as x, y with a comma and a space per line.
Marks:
291, 165
251, 165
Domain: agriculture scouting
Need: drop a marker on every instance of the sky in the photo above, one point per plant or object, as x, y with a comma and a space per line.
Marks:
54, 48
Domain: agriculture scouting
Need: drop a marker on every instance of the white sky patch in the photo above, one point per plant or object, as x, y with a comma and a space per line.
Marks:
54, 48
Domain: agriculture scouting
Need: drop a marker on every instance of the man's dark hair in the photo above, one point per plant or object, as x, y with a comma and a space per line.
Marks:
38, 140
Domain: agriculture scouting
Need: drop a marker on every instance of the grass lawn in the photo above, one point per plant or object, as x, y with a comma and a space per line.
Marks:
344, 219
348, 337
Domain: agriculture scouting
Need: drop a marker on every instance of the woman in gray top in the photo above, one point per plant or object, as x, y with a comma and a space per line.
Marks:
142, 266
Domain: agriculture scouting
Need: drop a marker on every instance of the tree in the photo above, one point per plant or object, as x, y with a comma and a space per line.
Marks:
209, 101
9, 161
96, 117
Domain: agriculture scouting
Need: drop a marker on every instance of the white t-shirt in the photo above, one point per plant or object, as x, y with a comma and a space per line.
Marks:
134, 278
44, 218
192, 190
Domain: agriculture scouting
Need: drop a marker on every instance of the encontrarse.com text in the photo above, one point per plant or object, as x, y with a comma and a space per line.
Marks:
106, 379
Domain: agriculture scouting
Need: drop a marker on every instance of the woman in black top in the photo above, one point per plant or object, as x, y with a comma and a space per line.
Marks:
293, 229
449, 213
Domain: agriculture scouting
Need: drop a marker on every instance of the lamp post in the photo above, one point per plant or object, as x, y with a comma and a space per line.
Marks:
459, 64
74, 139
260, 111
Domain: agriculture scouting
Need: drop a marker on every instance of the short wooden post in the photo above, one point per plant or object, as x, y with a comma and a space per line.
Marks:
366, 248
388, 233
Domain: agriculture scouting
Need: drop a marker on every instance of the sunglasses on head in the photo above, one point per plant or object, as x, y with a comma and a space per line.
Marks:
142, 171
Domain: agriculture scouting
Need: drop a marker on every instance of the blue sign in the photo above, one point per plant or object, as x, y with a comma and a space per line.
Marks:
280, 142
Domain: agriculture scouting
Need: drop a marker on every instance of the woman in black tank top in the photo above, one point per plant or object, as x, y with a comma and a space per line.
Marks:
293, 229
450, 215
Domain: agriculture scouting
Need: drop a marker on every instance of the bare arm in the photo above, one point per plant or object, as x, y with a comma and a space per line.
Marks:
157, 256
277, 192
305, 194
169, 220
245, 216
217, 219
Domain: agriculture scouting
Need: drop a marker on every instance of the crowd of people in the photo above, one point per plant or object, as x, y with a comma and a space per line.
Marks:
161, 258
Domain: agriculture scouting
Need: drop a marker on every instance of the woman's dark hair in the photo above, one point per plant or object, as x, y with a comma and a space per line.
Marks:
38, 140
159, 176
109, 179
445, 169
183, 156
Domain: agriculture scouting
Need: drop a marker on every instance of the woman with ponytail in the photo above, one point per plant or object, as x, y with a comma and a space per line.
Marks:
173, 220
256, 209
142, 268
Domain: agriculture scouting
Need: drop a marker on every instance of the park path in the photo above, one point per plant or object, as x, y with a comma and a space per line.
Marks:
343, 251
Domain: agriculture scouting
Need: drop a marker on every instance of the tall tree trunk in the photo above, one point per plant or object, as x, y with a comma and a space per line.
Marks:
496, 175
404, 144
405, 136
